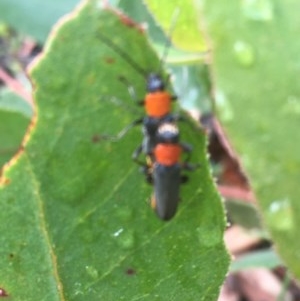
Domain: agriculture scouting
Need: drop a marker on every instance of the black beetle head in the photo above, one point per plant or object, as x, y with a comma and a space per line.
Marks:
155, 83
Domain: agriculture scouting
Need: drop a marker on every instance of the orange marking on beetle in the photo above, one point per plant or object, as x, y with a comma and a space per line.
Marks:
167, 154
158, 104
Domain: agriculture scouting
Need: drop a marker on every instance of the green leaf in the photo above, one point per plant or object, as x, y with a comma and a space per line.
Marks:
34, 17
190, 75
262, 258
172, 29
186, 33
76, 213
188, 69
192, 86
12, 130
12, 102
137, 11
257, 89
244, 214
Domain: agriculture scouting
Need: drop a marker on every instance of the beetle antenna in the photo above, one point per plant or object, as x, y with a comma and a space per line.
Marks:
122, 53
168, 41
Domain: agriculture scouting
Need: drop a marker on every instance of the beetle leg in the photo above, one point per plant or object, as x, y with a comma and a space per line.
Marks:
123, 132
136, 154
184, 179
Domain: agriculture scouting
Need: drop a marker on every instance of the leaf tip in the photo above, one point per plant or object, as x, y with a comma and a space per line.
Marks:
126, 20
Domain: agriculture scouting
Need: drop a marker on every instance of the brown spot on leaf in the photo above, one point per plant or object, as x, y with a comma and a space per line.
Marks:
130, 23
130, 272
96, 138
125, 19
109, 60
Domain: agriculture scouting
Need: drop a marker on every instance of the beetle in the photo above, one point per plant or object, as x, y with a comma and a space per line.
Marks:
164, 170
157, 101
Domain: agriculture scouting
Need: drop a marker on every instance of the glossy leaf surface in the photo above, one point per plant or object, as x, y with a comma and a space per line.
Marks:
257, 93
34, 17
75, 208
12, 130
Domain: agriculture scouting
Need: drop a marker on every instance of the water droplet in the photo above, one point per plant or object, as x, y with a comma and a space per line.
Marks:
244, 53
209, 235
280, 215
258, 10
292, 106
49, 115
100, 4
125, 239
224, 107
78, 290
118, 232
199, 191
92, 271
